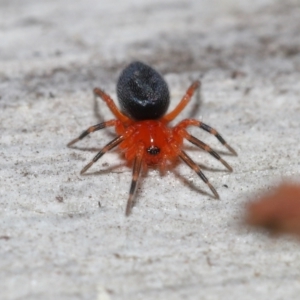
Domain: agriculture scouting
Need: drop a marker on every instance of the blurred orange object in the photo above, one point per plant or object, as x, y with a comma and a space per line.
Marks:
278, 211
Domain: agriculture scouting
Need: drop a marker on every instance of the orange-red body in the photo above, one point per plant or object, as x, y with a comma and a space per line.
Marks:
151, 135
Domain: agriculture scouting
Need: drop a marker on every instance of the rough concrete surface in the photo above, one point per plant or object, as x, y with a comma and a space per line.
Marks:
65, 236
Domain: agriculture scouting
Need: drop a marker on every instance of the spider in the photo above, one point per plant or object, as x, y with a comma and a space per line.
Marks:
142, 126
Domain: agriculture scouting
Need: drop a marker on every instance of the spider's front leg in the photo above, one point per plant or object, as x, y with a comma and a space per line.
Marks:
192, 122
205, 147
115, 142
123, 135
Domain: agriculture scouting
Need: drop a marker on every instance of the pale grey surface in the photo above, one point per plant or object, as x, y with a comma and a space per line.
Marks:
179, 243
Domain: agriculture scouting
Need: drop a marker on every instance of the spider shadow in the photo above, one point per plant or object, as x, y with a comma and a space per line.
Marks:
204, 167
110, 169
212, 169
88, 149
195, 188
224, 152
195, 108
186, 182
96, 109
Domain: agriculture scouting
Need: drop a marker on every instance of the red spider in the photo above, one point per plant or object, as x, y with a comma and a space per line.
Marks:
143, 133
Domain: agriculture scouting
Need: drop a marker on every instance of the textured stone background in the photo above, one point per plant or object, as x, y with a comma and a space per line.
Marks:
179, 243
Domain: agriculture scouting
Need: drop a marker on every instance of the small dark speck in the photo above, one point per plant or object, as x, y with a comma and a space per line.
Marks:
24, 130
99, 204
4, 237
247, 91
208, 261
59, 198
58, 53
51, 95
283, 91
39, 94
235, 74
105, 164
225, 185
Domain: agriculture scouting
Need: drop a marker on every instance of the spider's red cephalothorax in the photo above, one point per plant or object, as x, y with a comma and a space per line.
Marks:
142, 127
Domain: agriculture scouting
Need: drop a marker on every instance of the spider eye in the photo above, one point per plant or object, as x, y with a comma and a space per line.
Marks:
153, 150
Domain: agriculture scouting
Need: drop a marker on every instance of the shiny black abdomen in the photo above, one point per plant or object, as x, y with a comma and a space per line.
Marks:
142, 92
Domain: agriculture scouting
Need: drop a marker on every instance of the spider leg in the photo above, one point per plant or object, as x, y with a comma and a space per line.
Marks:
217, 135
111, 105
183, 103
192, 122
206, 148
115, 142
92, 129
197, 169
135, 176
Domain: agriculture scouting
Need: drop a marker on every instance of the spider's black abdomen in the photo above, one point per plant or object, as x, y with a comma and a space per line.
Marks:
142, 92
